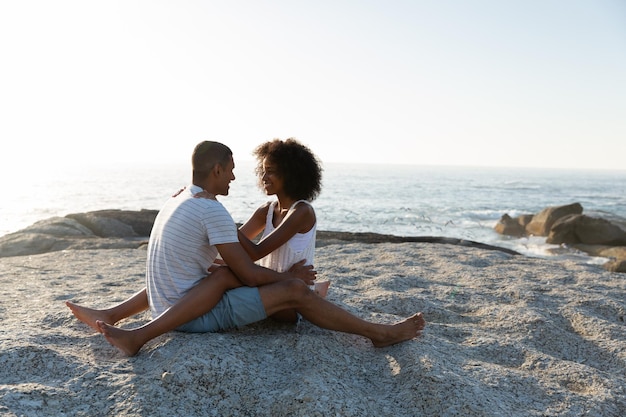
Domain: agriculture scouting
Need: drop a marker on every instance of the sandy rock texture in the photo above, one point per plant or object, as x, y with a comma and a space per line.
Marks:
506, 335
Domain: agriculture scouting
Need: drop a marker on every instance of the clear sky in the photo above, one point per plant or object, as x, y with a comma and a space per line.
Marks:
487, 83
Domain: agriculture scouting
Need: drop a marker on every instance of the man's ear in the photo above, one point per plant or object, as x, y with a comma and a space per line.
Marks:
217, 169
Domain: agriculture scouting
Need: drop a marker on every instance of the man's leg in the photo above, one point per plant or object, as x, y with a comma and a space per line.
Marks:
294, 294
133, 305
198, 301
291, 315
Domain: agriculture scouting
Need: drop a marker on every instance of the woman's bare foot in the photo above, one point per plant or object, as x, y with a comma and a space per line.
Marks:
124, 340
89, 316
407, 329
321, 288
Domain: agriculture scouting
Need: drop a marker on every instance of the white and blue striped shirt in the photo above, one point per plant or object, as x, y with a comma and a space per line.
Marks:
182, 246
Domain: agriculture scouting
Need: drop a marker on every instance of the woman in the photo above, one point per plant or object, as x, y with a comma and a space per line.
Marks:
292, 173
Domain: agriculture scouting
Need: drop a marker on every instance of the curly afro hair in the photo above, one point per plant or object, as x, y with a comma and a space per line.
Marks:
299, 168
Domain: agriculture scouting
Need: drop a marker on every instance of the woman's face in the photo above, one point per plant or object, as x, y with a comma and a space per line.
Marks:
270, 178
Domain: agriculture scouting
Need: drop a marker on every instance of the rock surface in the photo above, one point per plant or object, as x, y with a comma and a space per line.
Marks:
566, 225
117, 229
578, 228
542, 222
506, 336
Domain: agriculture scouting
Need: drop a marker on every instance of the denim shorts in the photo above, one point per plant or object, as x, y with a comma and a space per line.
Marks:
237, 308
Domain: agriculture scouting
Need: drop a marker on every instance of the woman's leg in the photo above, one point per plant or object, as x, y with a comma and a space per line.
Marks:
133, 305
198, 301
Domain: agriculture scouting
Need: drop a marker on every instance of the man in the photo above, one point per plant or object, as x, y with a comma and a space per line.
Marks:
187, 237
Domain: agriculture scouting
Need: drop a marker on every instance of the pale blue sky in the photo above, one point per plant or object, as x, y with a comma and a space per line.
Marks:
488, 83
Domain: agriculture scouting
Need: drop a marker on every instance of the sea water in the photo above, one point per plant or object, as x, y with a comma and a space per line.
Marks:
403, 200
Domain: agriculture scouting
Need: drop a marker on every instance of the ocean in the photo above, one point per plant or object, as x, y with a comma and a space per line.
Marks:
403, 200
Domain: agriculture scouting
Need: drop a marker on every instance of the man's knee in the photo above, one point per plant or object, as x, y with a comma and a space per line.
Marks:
289, 294
297, 288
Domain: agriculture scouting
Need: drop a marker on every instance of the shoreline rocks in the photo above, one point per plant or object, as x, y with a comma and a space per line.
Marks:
120, 229
104, 229
566, 225
128, 229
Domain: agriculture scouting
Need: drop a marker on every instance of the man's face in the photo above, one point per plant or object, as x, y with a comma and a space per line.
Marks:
226, 176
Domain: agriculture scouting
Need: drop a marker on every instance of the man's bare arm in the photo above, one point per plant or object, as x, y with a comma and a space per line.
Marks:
253, 275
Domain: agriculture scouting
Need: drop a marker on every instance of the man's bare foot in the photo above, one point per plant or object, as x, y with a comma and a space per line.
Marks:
407, 329
123, 340
321, 288
89, 316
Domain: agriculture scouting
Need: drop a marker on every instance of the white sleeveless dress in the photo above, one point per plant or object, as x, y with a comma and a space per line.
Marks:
300, 246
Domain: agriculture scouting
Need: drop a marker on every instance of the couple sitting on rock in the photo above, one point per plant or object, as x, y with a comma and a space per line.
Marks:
190, 289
